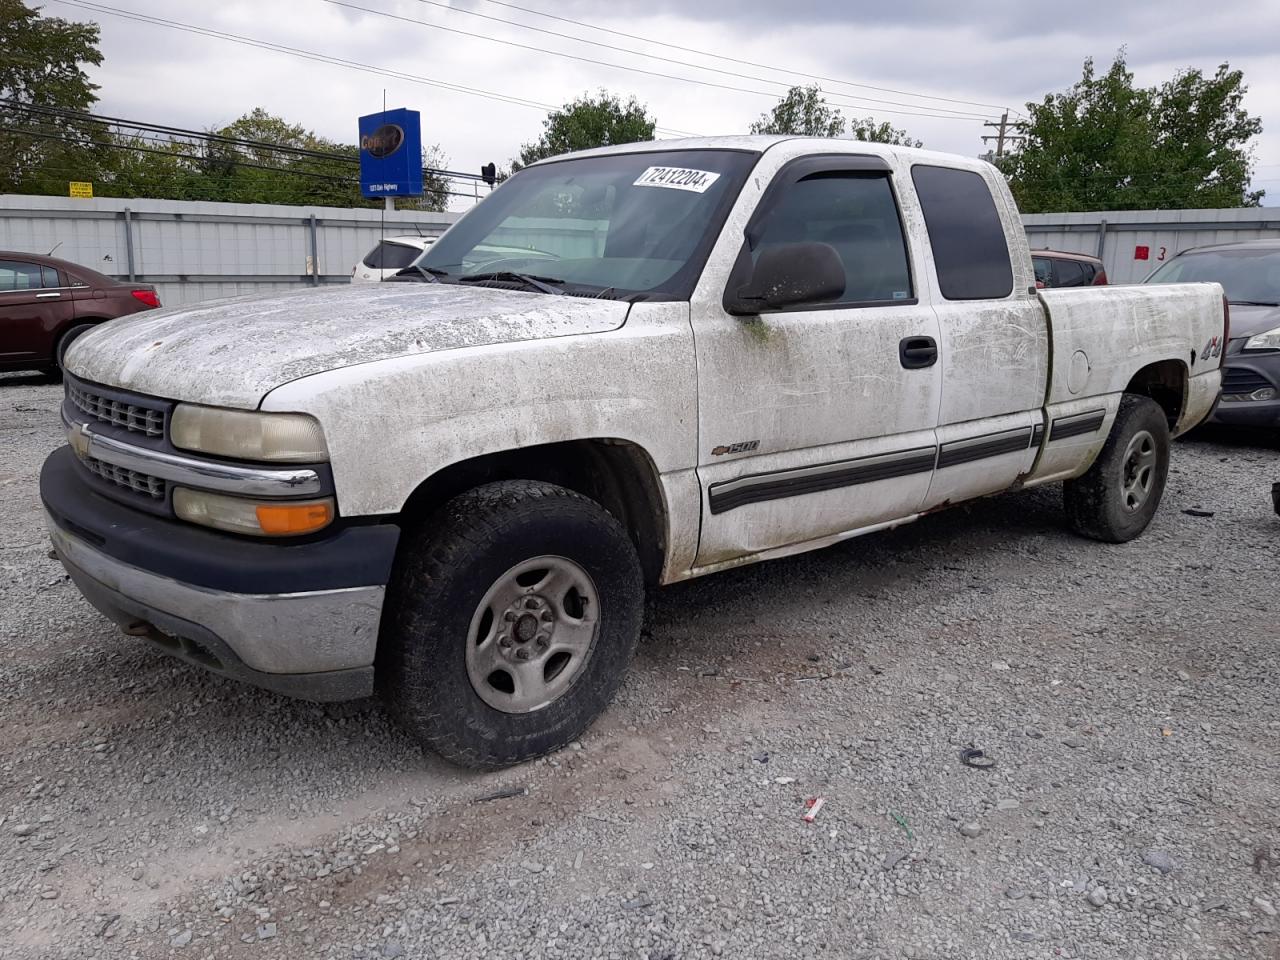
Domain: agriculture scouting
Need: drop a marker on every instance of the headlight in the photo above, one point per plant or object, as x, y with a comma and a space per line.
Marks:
258, 518
248, 434
1264, 341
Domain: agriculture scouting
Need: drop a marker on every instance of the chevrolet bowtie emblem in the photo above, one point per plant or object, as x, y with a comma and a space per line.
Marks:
79, 439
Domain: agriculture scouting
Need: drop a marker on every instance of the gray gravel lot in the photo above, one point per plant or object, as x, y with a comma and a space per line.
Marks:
1127, 694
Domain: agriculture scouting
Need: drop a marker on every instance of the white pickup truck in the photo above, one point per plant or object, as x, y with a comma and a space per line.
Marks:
630, 365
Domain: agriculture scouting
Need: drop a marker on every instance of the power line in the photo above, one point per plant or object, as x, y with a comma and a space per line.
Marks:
618, 66
638, 53
748, 63
133, 148
318, 57
1003, 135
304, 152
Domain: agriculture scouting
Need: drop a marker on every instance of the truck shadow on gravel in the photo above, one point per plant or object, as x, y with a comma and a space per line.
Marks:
1234, 438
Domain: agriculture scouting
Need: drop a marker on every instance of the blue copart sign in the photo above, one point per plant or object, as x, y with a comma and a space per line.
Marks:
391, 154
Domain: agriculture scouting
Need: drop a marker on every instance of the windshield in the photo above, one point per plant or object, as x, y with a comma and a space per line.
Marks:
619, 224
1248, 275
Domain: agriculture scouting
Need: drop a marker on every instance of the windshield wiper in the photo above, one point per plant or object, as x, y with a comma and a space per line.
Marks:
542, 284
423, 275
1253, 303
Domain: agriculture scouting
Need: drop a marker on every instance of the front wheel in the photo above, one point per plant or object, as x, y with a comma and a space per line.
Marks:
1116, 499
512, 620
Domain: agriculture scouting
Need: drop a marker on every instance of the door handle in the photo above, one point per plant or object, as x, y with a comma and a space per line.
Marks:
46, 296
917, 352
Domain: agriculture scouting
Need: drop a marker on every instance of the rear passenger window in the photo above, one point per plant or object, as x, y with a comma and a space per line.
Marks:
50, 277
1071, 273
857, 215
18, 275
1043, 269
965, 232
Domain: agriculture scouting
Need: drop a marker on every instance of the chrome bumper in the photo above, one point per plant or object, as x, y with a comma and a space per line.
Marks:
319, 645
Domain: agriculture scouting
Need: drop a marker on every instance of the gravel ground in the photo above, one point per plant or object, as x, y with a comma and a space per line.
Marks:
1127, 694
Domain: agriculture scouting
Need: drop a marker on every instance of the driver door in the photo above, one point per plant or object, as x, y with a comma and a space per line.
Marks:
816, 421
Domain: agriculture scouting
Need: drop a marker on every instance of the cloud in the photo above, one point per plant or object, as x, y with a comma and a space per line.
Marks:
997, 52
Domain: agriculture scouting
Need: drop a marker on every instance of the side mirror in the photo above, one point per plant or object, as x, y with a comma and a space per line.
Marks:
788, 275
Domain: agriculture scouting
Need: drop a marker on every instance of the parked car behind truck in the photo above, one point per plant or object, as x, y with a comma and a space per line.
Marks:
1250, 273
723, 350
389, 256
1056, 268
45, 303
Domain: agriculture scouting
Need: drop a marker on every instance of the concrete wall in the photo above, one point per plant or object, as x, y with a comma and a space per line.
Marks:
196, 251
1116, 235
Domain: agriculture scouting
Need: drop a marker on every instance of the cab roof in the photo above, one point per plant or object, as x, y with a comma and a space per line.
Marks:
759, 143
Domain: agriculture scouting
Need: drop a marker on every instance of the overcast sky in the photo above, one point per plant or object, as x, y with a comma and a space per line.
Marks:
991, 52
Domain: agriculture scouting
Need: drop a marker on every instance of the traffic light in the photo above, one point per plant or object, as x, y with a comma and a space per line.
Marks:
490, 173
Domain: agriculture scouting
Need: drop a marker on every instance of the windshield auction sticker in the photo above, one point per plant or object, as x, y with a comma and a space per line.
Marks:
677, 178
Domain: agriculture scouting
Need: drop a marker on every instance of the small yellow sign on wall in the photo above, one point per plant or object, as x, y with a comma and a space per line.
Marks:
81, 189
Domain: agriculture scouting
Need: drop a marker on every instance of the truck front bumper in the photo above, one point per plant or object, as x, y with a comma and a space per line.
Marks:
298, 618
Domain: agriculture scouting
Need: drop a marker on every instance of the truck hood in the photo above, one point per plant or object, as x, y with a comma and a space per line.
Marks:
1249, 321
233, 352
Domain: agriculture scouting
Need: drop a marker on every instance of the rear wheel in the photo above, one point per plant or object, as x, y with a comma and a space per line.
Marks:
64, 344
512, 619
1116, 499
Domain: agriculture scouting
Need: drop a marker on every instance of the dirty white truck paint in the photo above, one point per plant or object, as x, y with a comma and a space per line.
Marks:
735, 415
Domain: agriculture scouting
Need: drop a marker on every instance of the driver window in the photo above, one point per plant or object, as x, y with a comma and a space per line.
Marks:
857, 215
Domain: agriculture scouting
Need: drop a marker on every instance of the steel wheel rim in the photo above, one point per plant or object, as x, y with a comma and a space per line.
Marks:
532, 634
1138, 470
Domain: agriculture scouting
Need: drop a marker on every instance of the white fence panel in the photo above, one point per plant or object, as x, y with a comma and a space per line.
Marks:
194, 251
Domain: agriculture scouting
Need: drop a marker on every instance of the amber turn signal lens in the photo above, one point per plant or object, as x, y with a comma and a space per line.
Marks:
291, 519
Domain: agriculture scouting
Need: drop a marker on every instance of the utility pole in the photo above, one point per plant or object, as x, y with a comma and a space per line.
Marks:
1003, 127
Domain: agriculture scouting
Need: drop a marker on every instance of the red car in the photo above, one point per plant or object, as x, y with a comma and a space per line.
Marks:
1057, 268
45, 303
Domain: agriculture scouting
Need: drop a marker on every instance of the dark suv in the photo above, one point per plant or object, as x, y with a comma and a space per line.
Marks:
45, 303
1249, 271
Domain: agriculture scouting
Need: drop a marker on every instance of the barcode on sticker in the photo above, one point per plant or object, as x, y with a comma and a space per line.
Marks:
677, 178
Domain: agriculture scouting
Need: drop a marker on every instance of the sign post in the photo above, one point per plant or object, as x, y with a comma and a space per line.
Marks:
391, 154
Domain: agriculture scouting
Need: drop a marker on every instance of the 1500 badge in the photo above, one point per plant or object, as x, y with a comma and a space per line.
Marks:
744, 446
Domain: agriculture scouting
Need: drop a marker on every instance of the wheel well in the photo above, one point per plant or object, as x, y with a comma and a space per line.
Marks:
75, 324
1164, 382
617, 474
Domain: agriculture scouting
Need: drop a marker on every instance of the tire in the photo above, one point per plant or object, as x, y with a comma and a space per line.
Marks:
508, 570
64, 344
1116, 499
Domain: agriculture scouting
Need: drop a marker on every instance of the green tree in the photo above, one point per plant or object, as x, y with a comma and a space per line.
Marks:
588, 122
42, 63
869, 131
1106, 144
238, 164
804, 112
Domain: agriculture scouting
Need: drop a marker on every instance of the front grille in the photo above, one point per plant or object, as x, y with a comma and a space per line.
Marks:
134, 417
142, 483
1242, 381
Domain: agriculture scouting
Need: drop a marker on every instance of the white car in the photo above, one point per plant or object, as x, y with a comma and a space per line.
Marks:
391, 254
